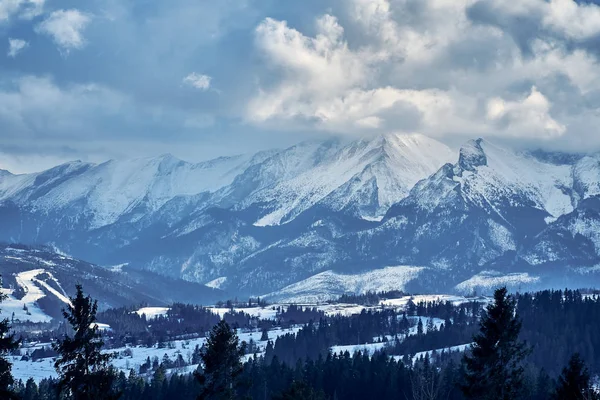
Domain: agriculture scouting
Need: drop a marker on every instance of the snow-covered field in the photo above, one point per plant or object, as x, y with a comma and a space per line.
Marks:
461, 348
403, 301
44, 368
152, 312
368, 348
268, 312
138, 354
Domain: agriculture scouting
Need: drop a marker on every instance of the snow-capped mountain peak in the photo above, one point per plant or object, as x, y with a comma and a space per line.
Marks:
472, 155
490, 174
261, 222
368, 174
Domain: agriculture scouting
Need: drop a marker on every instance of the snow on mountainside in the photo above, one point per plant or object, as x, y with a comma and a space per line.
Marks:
258, 224
114, 188
490, 202
329, 285
492, 178
38, 282
587, 176
487, 281
368, 174
34, 287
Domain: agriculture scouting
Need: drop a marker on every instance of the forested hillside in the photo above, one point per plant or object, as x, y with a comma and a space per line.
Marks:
417, 351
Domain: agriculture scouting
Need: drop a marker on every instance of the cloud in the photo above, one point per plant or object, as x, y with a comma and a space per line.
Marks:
523, 71
36, 107
336, 87
25, 9
530, 114
198, 81
441, 67
560, 18
66, 28
15, 46
316, 71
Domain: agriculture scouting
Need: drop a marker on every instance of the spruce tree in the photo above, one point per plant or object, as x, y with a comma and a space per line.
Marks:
492, 369
221, 364
8, 343
574, 382
84, 372
300, 390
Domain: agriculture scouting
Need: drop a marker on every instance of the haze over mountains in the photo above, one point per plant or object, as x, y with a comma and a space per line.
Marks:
325, 217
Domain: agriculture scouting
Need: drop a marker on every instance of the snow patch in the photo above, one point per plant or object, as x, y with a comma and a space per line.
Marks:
217, 283
490, 280
330, 285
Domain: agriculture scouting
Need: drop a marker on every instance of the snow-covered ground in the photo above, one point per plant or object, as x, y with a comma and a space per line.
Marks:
44, 368
330, 285
369, 348
455, 300
487, 281
152, 312
27, 309
268, 312
461, 348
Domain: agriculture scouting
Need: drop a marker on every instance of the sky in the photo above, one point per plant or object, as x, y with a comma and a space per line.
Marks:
101, 79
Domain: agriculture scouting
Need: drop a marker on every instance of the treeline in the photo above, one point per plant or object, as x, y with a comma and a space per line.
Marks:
370, 298
496, 368
181, 321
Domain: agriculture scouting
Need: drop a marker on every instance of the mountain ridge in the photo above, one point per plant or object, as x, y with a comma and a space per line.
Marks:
265, 221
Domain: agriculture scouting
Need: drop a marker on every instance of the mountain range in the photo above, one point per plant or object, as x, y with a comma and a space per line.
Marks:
325, 217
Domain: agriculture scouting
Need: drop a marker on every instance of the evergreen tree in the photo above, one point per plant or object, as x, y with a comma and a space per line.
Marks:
264, 335
493, 370
221, 364
8, 343
420, 328
84, 371
299, 390
574, 382
31, 390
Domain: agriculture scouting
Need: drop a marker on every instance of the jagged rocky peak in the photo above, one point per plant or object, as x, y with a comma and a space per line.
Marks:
472, 155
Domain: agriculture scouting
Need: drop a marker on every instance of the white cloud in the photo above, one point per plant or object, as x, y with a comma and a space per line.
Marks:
37, 105
198, 81
317, 71
530, 114
66, 28
15, 46
575, 20
336, 87
25, 9
396, 62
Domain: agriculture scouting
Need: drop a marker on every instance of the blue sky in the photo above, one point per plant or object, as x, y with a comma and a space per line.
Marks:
101, 79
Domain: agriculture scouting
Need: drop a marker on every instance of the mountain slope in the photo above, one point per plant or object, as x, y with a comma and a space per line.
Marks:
366, 175
38, 282
264, 222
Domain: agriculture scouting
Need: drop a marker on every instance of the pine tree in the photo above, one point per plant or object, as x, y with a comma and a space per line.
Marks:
574, 382
83, 370
31, 390
299, 390
221, 364
8, 343
264, 335
493, 370
420, 328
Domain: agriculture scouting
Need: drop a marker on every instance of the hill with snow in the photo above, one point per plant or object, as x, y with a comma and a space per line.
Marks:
38, 282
